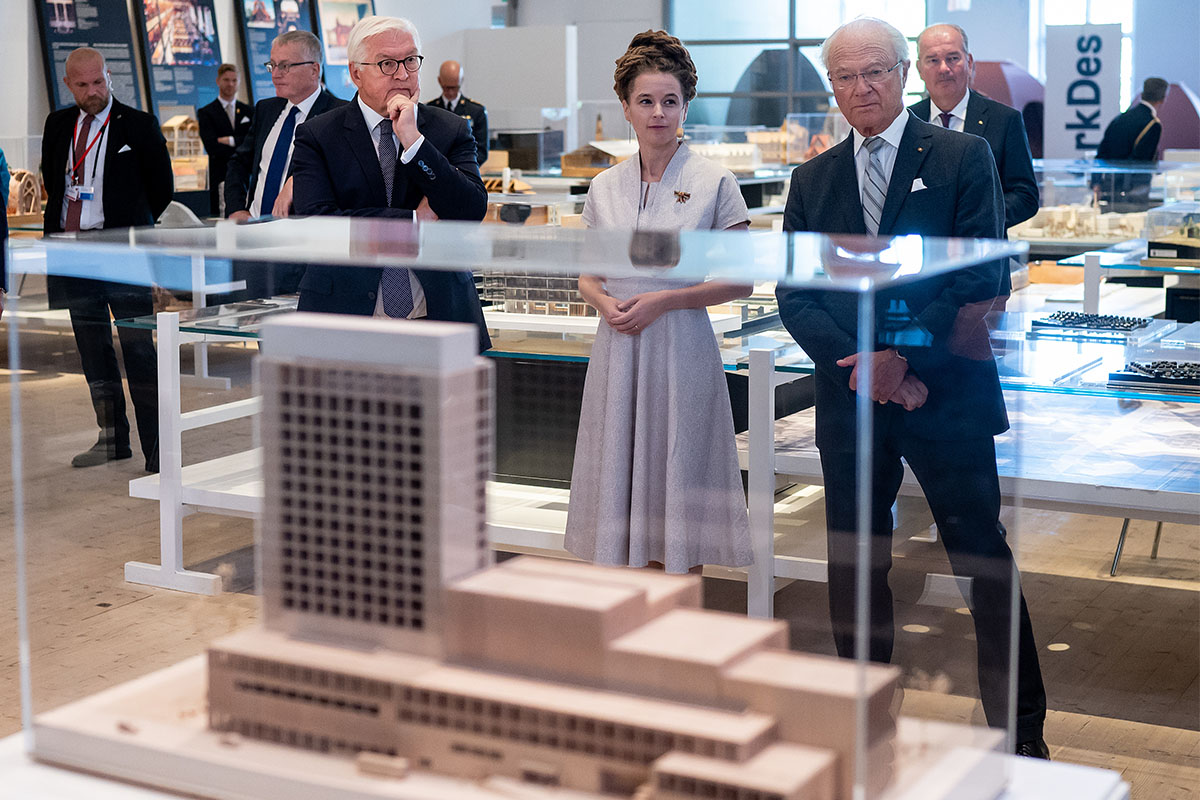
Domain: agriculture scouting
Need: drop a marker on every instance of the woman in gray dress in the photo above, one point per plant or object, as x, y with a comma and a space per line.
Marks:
656, 479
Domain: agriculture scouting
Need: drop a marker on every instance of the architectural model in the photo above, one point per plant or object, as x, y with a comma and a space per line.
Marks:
1080, 222
523, 293
387, 639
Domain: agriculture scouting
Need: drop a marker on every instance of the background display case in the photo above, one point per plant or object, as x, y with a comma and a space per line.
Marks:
112, 670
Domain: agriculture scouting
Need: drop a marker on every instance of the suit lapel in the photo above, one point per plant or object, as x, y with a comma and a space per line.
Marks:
977, 116
844, 174
914, 146
362, 145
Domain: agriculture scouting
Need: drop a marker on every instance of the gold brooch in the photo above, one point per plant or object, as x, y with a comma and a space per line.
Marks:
682, 197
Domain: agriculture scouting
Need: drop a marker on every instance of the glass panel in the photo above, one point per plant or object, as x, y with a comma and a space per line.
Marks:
740, 68
714, 19
818, 20
907, 15
708, 111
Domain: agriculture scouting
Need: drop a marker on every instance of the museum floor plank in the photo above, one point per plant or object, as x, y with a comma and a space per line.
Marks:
1123, 692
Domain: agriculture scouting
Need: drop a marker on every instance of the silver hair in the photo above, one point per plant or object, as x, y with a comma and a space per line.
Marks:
961, 32
310, 45
895, 38
365, 28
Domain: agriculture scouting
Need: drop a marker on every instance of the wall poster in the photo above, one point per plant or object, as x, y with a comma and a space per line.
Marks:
262, 21
102, 24
335, 18
182, 53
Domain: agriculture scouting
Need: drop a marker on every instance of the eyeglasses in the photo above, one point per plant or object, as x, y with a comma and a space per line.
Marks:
845, 81
389, 66
283, 68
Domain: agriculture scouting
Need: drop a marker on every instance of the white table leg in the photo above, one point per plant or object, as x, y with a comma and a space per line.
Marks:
200, 379
169, 572
760, 585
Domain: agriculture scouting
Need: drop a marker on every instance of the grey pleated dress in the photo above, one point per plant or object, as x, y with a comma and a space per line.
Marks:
656, 475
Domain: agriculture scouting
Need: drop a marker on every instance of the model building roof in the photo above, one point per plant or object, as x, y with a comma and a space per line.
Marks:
663, 590
706, 637
833, 677
785, 769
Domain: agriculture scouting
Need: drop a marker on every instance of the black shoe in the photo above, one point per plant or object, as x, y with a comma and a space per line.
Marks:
101, 453
152, 465
1034, 748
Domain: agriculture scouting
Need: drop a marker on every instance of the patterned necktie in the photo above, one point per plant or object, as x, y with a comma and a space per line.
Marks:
945, 117
875, 187
394, 282
75, 206
278, 164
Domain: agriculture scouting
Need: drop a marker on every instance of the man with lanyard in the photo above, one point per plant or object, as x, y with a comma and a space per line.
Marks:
106, 165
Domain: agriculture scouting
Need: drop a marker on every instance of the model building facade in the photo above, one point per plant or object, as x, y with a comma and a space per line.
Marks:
597, 680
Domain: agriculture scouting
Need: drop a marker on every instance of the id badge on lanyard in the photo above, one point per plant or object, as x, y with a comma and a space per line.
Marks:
76, 190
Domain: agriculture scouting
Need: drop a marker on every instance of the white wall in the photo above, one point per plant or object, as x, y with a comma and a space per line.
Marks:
996, 29
23, 82
1166, 43
604, 30
441, 25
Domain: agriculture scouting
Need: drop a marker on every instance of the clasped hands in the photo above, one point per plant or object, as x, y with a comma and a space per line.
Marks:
634, 315
892, 381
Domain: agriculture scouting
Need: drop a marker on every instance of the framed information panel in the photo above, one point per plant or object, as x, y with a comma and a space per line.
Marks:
182, 53
103, 24
262, 21
335, 18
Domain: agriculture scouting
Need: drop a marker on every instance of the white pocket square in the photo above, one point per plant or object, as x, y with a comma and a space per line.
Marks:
245, 119
125, 149
918, 185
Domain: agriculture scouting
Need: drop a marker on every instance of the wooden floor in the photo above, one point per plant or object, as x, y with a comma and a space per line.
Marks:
1121, 656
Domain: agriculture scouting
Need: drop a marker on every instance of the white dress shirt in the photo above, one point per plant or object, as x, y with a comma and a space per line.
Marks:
958, 114
887, 155
372, 118
451, 104
91, 216
264, 163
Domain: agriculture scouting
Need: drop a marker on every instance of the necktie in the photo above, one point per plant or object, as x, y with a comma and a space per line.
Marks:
75, 206
394, 282
278, 163
875, 186
945, 118
231, 112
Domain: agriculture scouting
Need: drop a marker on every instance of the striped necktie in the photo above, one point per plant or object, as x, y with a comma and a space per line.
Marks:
875, 186
394, 282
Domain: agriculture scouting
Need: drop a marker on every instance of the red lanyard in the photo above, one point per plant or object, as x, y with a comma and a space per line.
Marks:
88, 149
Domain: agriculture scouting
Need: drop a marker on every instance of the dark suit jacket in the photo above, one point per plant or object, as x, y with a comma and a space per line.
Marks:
3, 253
336, 172
1132, 136
138, 182
474, 113
214, 125
962, 198
241, 175
1004, 131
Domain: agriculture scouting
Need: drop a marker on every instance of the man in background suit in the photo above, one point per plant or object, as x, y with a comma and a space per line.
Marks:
224, 123
450, 78
261, 163
259, 167
937, 394
946, 65
385, 155
1134, 135
106, 165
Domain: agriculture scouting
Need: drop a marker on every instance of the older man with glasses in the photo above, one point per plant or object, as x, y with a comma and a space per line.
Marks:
935, 389
387, 155
258, 168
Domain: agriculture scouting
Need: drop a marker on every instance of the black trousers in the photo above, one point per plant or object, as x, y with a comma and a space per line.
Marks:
960, 482
90, 302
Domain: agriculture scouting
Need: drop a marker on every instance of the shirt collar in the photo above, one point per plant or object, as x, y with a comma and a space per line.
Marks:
228, 103
1153, 110
959, 111
893, 134
102, 117
306, 104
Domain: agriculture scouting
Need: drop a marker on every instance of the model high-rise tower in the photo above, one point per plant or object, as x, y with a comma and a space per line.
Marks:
377, 441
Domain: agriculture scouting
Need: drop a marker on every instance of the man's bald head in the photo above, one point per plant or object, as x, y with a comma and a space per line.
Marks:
450, 79
86, 75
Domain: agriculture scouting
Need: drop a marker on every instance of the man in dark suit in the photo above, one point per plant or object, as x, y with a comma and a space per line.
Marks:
947, 67
224, 123
385, 155
1134, 135
937, 395
256, 178
106, 165
450, 78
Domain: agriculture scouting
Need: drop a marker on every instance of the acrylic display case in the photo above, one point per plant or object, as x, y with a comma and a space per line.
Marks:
366, 646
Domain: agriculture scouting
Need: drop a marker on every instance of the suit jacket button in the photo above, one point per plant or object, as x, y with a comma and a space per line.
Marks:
371, 295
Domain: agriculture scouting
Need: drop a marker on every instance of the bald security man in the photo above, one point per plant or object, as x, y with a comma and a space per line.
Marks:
450, 78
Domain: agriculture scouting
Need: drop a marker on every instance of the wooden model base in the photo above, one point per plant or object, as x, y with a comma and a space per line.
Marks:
153, 731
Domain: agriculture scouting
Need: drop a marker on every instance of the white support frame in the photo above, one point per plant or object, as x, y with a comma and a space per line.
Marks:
199, 378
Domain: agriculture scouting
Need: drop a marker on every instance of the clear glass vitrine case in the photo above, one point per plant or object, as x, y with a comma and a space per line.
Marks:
349, 572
